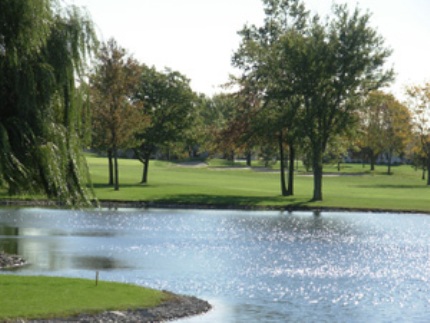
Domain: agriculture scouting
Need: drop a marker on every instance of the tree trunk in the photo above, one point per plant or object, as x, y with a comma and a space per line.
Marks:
116, 176
231, 156
372, 160
389, 155
145, 169
144, 154
282, 170
110, 165
290, 190
428, 172
318, 172
249, 158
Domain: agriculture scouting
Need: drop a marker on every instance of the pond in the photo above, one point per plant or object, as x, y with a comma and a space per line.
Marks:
253, 266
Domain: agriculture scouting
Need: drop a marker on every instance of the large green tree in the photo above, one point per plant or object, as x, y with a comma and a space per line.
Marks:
317, 70
116, 116
43, 51
335, 63
168, 102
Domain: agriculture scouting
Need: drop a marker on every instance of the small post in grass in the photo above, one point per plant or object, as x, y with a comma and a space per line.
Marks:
97, 278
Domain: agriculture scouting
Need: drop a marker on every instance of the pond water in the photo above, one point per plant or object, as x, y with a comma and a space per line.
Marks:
252, 266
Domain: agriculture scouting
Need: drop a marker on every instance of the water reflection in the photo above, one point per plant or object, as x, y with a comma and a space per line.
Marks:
253, 266
9, 231
96, 263
9, 245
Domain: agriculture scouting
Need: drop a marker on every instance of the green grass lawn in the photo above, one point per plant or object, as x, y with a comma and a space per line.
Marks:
232, 184
219, 183
49, 297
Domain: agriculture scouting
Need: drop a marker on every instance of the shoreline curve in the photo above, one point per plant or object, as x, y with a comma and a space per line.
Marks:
176, 307
112, 204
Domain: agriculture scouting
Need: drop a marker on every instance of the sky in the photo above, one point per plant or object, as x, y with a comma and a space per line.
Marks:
198, 37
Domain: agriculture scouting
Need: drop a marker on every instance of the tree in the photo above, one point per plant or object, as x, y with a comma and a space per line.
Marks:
233, 127
264, 72
116, 116
286, 120
323, 67
334, 64
222, 111
419, 104
340, 146
272, 126
209, 119
394, 124
168, 102
43, 51
372, 126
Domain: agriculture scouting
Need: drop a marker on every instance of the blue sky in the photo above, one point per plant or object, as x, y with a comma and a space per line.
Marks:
198, 37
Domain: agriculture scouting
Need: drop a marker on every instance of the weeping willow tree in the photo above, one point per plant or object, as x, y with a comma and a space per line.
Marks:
43, 53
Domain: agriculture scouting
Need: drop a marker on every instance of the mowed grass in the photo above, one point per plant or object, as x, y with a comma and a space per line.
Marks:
353, 187
28, 297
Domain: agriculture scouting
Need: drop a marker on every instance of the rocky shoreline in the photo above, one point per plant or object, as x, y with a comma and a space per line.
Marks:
11, 261
178, 306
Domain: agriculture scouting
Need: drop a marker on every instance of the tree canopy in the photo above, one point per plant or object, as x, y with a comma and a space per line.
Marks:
325, 66
419, 103
168, 102
116, 116
386, 126
43, 52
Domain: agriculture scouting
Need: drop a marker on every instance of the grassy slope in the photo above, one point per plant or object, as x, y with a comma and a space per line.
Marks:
240, 186
48, 297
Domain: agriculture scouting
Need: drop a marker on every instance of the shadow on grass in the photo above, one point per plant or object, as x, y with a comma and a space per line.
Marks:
394, 186
232, 200
123, 185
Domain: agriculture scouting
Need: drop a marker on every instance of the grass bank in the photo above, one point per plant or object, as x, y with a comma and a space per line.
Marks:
48, 297
223, 184
354, 187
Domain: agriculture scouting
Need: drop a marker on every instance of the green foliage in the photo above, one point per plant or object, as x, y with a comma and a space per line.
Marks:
117, 118
168, 102
42, 50
226, 124
386, 126
200, 135
312, 73
50, 297
419, 103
